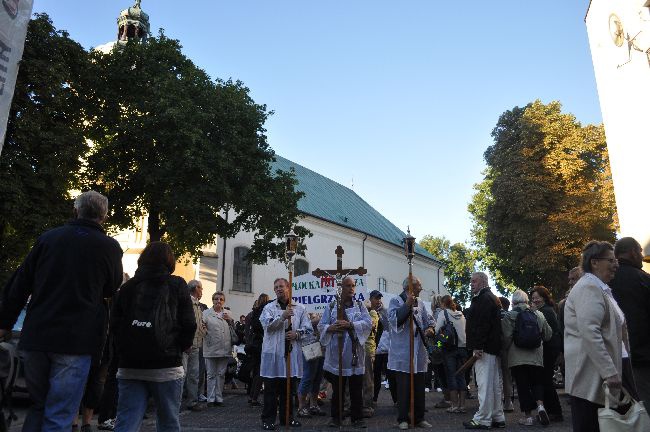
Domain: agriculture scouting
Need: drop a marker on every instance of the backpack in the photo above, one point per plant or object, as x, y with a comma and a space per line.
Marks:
150, 329
527, 334
447, 338
8, 372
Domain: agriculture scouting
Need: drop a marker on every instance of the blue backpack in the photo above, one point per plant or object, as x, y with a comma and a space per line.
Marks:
527, 334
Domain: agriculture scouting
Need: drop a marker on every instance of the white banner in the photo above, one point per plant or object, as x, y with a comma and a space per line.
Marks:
14, 17
315, 293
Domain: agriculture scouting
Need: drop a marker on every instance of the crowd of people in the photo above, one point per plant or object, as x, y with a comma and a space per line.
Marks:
96, 340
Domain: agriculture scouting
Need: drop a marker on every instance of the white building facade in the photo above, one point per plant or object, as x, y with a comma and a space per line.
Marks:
619, 38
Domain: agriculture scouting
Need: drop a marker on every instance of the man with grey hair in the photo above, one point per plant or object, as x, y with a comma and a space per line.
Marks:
483, 333
68, 273
399, 311
192, 357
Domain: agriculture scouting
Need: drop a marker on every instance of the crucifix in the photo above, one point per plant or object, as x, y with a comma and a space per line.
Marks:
339, 274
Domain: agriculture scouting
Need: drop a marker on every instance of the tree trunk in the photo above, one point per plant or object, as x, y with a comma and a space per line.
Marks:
155, 231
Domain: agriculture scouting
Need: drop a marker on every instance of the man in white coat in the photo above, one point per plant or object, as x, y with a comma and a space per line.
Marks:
285, 325
399, 310
355, 328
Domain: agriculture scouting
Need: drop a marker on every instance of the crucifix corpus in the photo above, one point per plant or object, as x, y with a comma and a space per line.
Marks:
339, 274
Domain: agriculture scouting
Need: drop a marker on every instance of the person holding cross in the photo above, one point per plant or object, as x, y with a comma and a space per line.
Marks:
285, 324
355, 328
398, 356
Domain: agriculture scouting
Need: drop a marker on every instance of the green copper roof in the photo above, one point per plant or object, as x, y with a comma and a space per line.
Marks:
327, 200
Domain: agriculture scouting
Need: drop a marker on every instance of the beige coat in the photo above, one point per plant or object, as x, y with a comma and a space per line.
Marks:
217, 340
521, 356
593, 337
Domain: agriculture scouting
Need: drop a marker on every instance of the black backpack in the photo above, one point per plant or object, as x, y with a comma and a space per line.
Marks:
447, 338
150, 328
527, 334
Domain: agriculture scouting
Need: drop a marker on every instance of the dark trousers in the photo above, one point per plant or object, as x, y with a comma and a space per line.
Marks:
381, 361
550, 398
276, 389
355, 386
642, 378
255, 386
108, 402
584, 415
628, 380
530, 387
403, 383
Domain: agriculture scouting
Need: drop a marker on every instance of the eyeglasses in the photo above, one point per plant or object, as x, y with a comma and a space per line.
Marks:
610, 260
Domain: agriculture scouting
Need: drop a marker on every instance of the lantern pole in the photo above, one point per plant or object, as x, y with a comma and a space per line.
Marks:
409, 249
291, 245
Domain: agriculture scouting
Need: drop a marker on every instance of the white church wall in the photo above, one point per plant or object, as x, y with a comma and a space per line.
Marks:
381, 259
622, 77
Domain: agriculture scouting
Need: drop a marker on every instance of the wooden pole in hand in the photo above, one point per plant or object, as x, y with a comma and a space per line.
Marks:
411, 349
339, 316
288, 355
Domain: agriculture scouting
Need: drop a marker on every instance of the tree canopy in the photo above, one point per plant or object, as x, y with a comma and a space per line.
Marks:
547, 191
44, 142
459, 261
170, 143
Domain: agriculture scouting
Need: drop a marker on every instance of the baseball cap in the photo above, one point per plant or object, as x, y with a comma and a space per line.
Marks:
375, 294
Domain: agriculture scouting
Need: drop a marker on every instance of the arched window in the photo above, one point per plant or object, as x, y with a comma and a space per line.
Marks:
242, 270
300, 267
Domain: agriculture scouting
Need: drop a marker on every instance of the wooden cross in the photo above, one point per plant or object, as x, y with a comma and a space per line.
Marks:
340, 273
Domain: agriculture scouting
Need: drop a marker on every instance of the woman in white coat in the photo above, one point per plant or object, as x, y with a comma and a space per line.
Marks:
217, 347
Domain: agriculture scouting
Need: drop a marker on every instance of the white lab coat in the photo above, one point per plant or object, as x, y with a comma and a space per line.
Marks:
360, 318
273, 364
398, 354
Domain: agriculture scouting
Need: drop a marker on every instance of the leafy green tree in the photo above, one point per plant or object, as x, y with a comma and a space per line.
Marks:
547, 191
171, 144
459, 261
44, 142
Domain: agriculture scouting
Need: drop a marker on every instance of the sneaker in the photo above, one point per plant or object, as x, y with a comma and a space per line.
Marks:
108, 425
526, 421
292, 423
543, 416
304, 412
498, 424
359, 424
268, 426
472, 424
424, 425
508, 406
316, 411
403, 426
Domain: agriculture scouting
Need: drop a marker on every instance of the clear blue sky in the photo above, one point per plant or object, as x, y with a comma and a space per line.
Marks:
400, 96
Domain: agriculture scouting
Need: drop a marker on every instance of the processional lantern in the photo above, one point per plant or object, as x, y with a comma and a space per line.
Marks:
291, 244
409, 245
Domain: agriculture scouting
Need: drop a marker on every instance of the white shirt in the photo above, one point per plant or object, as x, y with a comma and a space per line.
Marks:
358, 315
273, 362
608, 293
398, 352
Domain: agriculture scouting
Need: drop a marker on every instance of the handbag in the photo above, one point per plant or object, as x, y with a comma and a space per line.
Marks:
312, 351
634, 420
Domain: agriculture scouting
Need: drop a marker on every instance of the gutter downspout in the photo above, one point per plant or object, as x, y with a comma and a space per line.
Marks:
440, 267
363, 252
223, 259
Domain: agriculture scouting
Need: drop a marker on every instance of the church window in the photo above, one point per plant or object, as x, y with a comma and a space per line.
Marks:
242, 270
382, 284
301, 267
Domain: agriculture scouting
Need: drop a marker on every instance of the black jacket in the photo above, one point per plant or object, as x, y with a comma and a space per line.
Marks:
68, 273
555, 343
483, 323
631, 289
146, 287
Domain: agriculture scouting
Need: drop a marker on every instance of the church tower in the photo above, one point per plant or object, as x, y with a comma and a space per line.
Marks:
132, 23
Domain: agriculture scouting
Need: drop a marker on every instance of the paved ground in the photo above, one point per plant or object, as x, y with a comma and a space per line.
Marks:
237, 415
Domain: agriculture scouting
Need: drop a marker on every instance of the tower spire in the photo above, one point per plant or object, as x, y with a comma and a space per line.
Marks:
133, 23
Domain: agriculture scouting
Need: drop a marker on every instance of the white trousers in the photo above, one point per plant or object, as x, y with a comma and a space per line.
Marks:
216, 371
488, 381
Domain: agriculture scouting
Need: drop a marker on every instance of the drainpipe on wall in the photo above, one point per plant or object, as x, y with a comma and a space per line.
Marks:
440, 267
363, 251
223, 259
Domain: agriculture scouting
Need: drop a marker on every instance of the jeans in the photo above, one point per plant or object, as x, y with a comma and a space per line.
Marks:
132, 404
312, 374
56, 384
191, 367
453, 360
